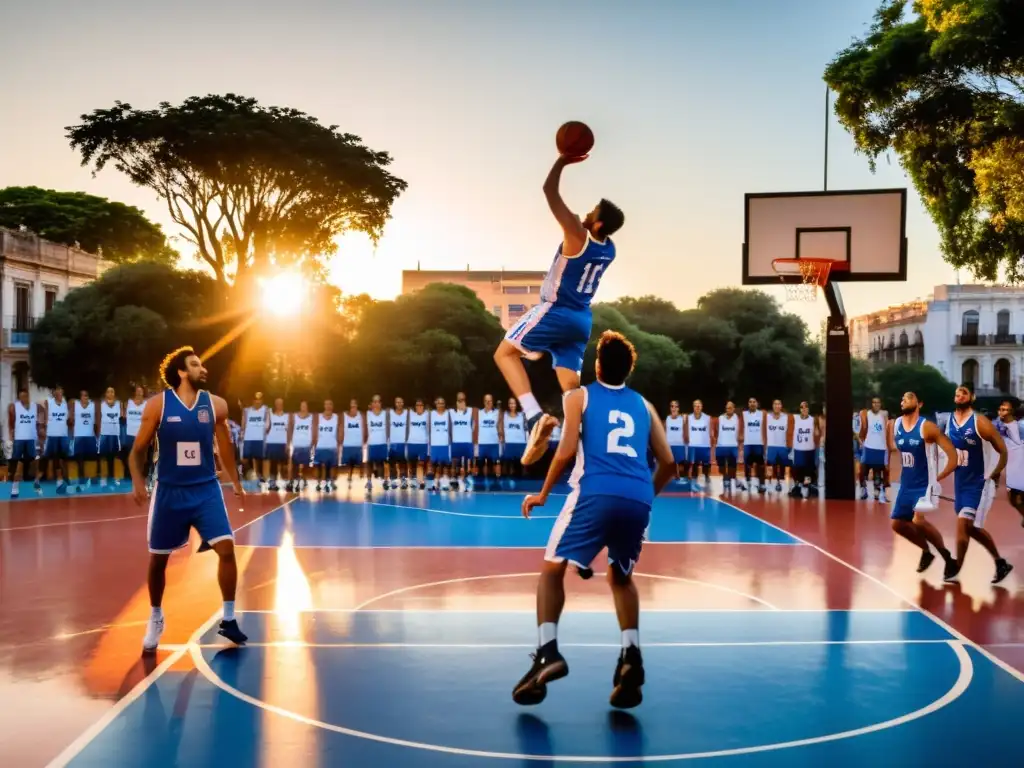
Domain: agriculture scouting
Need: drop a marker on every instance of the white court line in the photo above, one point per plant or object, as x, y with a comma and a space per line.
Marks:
459, 514
71, 522
533, 646
961, 684
499, 546
953, 631
609, 611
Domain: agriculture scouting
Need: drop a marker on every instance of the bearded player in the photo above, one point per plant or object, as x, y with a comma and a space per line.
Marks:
561, 323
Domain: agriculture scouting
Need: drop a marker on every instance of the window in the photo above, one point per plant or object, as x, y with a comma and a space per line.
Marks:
1003, 322
49, 298
516, 289
970, 323
22, 307
1001, 375
919, 338
969, 372
904, 339
515, 311
496, 311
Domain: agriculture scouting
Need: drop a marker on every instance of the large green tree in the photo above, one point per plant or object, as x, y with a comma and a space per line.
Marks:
249, 185
123, 232
930, 385
943, 87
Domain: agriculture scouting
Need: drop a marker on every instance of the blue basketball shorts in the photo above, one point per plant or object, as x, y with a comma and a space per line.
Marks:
678, 453
326, 457
57, 448
489, 452
110, 445
84, 447
462, 451
873, 457
700, 454
726, 454
301, 456
906, 500
441, 455
396, 452
554, 329
276, 452
23, 450
589, 523
252, 449
753, 454
351, 455
174, 509
377, 452
973, 502
512, 451
805, 459
417, 452
777, 455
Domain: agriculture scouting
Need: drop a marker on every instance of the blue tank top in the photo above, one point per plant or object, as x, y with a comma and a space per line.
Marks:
970, 453
185, 437
615, 434
915, 474
572, 283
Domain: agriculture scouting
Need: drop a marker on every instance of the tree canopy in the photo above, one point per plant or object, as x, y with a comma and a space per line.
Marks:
249, 185
123, 232
934, 390
943, 87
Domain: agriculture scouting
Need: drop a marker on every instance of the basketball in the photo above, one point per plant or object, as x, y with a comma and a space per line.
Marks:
574, 139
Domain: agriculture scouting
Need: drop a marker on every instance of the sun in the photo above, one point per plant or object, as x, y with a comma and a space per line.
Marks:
283, 294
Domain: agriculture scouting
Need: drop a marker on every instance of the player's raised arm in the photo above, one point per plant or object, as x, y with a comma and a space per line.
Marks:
662, 452
574, 236
987, 431
224, 445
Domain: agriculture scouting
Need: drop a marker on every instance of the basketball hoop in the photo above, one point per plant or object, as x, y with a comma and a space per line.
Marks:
813, 274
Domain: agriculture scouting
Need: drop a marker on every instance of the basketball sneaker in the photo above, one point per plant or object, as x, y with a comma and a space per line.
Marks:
628, 679
1003, 569
231, 631
548, 666
154, 630
540, 428
927, 558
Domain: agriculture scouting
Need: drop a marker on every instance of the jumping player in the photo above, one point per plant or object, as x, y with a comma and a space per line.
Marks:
186, 419
1009, 430
755, 427
611, 427
561, 323
726, 438
913, 436
973, 495
873, 428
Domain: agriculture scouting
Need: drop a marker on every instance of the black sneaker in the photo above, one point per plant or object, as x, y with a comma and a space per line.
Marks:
812, 491
796, 492
585, 573
952, 571
1003, 569
548, 666
927, 558
231, 631
628, 679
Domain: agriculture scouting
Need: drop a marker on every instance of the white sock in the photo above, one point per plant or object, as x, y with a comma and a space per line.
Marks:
229, 610
530, 405
547, 632
630, 637
157, 612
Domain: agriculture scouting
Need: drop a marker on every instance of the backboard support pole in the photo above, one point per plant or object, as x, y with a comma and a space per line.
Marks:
839, 480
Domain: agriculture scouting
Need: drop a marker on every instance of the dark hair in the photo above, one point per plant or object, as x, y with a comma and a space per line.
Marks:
616, 357
611, 217
968, 386
174, 362
23, 389
1007, 402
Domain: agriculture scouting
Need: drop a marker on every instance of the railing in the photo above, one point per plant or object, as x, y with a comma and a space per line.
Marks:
970, 340
1004, 338
18, 331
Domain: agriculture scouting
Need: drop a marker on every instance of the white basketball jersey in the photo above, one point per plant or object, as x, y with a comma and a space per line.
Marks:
302, 431
1012, 437
398, 427
56, 418
487, 432
327, 432
85, 419
110, 418
462, 426
255, 424
418, 428
515, 428
133, 417
440, 428
376, 428
353, 436
728, 431
278, 432
699, 431
752, 423
875, 438
803, 433
674, 430
25, 422
777, 428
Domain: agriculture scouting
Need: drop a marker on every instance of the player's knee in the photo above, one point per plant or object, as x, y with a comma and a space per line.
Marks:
225, 549
617, 577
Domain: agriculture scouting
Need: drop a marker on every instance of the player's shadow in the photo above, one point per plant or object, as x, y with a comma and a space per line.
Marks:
625, 734
534, 738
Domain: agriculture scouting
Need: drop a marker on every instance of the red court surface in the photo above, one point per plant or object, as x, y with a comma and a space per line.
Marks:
73, 601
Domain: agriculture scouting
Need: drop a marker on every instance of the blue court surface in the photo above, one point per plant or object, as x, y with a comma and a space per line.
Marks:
416, 688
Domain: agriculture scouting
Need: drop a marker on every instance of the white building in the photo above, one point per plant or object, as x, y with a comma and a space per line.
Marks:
971, 333
34, 275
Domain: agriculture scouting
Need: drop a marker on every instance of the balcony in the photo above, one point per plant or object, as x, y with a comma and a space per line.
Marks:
1004, 339
18, 331
988, 340
971, 340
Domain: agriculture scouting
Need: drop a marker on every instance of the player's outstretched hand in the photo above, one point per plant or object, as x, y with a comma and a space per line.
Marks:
536, 500
139, 493
571, 159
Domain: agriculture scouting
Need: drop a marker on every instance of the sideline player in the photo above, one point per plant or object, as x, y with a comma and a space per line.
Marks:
111, 413
779, 441
698, 445
300, 437
23, 421
58, 445
325, 453
973, 493
513, 425
874, 425
674, 423
84, 446
805, 454
611, 426
132, 421
1009, 430
275, 444
754, 434
561, 323
463, 439
186, 419
440, 445
489, 433
726, 439
353, 439
418, 444
254, 425
398, 433
376, 443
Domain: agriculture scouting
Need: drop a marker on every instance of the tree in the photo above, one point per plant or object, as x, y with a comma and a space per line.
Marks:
249, 185
931, 387
944, 89
862, 383
123, 233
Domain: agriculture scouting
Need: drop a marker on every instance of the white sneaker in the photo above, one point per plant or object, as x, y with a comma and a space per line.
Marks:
154, 630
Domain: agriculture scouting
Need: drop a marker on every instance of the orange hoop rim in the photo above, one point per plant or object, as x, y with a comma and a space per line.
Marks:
812, 271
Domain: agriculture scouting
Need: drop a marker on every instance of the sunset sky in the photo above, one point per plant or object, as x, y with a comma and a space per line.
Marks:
694, 103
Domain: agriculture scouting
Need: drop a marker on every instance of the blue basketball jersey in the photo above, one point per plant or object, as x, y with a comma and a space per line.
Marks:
970, 452
572, 283
612, 455
185, 436
915, 474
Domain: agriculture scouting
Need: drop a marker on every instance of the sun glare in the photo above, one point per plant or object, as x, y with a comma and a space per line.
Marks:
283, 294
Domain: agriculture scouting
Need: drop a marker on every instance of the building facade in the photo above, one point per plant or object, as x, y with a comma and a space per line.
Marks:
970, 333
34, 275
508, 295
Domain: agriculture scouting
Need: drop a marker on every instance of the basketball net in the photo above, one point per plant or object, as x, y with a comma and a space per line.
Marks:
813, 274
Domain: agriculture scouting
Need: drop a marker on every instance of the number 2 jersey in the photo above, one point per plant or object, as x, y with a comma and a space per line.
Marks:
612, 456
571, 282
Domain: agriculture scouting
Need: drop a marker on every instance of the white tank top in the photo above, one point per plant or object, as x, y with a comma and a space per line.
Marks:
728, 431
700, 431
278, 432
876, 431
418, 428
777, 430
462, 426
440, 428
399, 424
353, 437
133, 417
487, 432
515, 428
255, 424
302, 431
1012, 436
25, 422
674, 430
752, 427
110, 419
803, 433
85, 419
556, 435
327, 432
56, 418
377, 428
